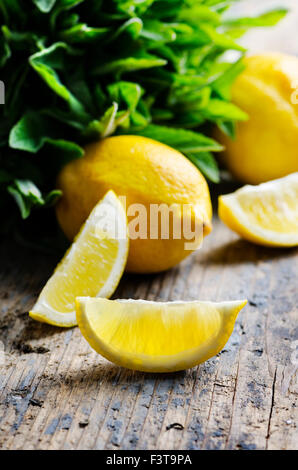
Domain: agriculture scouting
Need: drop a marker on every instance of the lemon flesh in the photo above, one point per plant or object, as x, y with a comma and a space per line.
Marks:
266, 214
92, 266
156, 336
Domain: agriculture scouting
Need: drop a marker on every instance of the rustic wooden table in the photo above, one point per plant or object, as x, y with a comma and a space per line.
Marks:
56, 393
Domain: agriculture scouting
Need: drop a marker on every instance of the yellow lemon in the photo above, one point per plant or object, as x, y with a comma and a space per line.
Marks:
266, 214
156, 336
266, 145
92, 266
151, 176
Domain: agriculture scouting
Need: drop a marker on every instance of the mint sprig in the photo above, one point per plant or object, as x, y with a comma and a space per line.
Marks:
81, 70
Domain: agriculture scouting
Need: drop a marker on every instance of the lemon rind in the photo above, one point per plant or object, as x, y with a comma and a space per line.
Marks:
232, 214
167, 363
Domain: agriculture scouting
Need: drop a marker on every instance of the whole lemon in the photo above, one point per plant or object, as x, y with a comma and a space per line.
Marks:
149, 174
266, 146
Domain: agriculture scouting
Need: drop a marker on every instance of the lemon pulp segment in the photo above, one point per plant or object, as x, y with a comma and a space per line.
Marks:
92, 266
266, 214
156, 336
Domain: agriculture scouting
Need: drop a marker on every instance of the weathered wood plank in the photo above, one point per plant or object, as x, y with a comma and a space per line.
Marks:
55, 392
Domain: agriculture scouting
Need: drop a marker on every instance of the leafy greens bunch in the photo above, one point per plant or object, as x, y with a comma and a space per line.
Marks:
80, 70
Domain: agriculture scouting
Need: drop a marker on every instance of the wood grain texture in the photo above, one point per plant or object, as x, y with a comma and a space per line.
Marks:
56, 393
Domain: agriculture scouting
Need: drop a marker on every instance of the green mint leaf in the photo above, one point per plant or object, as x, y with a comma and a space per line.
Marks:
129, 64
207, 164
126, 92
228, 128
184, 140
46, 63
32, 132
26, 195
83, 33
270, 18
81, 70
218, 109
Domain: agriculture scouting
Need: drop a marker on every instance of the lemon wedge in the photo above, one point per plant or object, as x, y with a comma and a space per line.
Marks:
92, 266
266, 214
156, 336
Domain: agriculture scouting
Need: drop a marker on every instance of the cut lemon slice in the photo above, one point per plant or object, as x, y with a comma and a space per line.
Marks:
92, 266
266, 214
156, 336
